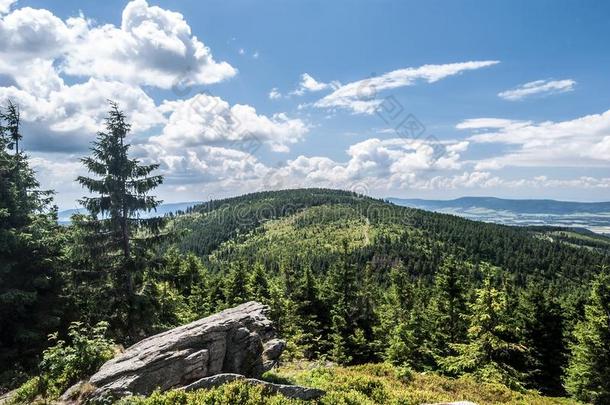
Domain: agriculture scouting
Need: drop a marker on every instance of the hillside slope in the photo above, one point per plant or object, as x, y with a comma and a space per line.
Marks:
258, 217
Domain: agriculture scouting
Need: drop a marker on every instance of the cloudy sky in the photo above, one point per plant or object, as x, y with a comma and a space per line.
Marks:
430, 99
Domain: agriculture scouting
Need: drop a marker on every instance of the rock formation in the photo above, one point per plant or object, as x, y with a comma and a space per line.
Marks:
239, 340
291, 391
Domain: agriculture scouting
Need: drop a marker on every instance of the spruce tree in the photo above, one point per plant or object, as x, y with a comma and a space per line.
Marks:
284, 313
237, 290
542, 328
199, 291
122, 184
30, 253
449, 307
120, 189
588, 373
491, 349
342, 286
311, 312
199, 300
259, 285
11, 128
393, 339
217, 298
350, 317
190, 274
405, 327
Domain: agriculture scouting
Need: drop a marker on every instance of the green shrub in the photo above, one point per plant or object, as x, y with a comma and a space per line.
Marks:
65, 363
272, 377
28, 391
384, 383
369, 384
235, 393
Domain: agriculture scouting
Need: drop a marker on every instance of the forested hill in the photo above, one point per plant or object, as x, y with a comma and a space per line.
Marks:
358, 280
417, 237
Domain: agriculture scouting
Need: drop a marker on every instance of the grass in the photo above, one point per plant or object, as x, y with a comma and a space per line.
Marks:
358, 385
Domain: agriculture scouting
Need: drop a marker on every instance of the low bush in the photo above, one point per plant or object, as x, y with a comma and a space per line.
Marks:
235, 393
67, 362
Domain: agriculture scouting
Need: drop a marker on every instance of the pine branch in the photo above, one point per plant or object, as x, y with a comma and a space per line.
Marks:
142, 186
93, 185
94, 166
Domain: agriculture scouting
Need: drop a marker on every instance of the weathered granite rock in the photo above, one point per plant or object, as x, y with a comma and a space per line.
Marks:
213, 381
272, 350
239, 340
290, 391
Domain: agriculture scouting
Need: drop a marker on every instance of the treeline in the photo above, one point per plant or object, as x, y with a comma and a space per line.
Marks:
348, 279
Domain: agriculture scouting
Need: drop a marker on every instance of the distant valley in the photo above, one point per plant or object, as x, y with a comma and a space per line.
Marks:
594, 216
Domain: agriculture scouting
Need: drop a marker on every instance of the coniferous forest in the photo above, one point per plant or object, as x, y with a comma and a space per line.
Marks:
387, 304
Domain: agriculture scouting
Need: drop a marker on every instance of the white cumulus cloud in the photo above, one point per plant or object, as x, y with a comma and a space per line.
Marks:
62, 73
32, 34
205, 119
5, 5
580, 142
309, 84
68, 117
153, 46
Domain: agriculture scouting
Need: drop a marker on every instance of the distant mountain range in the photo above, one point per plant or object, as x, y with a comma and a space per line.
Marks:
594, 216
163, 209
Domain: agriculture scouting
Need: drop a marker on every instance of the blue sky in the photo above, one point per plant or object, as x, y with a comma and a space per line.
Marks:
513, 95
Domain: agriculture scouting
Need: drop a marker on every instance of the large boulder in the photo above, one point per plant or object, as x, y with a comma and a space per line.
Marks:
239, 340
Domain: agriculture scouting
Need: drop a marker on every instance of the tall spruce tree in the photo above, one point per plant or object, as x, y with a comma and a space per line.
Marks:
404, 323
351, 317
259, 284
449, 306
491, 349
120, 189
393, 340
30, 254
588, 373
311, 313
542, 327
